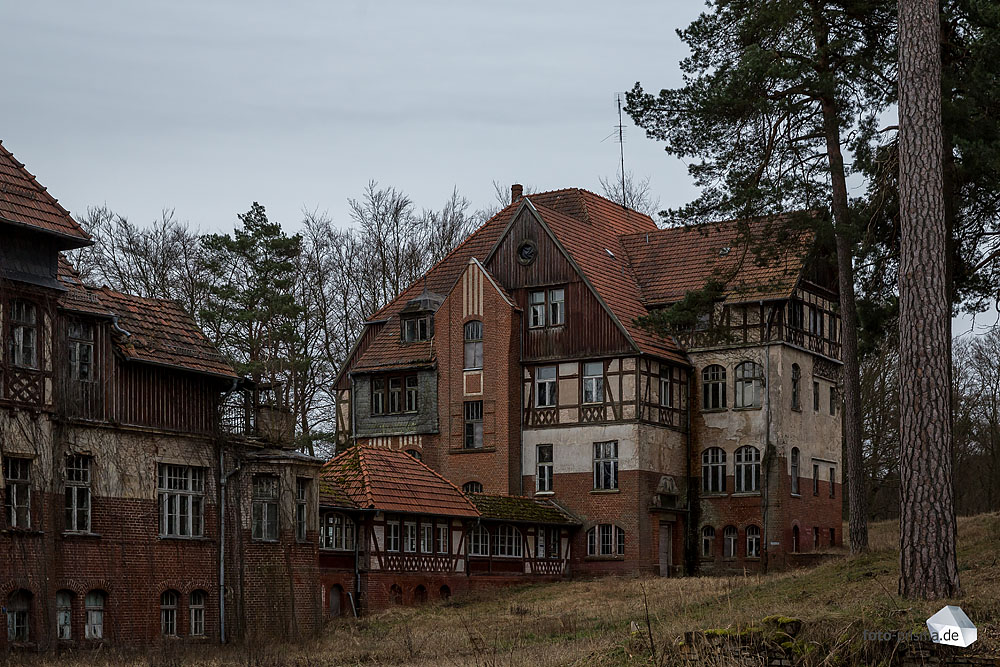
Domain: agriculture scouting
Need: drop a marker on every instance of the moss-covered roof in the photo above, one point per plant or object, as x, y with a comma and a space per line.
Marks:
517, 508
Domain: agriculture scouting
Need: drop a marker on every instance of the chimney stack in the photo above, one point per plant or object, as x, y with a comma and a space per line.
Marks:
516, 191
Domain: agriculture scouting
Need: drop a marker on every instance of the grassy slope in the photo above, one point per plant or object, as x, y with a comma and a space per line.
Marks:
591, 622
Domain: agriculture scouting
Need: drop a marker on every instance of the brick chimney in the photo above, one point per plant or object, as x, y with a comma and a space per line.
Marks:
516, 191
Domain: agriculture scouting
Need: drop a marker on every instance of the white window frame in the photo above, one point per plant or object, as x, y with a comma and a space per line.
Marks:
713, 387
557, 306
426, 537
753, 541
536, 310
472, 487
747, 469
606, 539
473, 348
546, 388
378, 396
168, 613
266, 495
411, 386
606, 465
77, 493
479, 541
392, 536
338, 532
17, 491
508, 542
410, 537
181, 497
64, 614
442, 538
196, 612
94, 604
730, 537
593, 382
666, 390
713, 470
749, 384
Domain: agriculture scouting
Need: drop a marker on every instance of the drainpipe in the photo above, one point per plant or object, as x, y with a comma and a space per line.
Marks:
766, 463
114, 325
223, 478
520, 404
357, 566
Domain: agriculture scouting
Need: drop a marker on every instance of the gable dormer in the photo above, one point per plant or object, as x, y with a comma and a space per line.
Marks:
416, 320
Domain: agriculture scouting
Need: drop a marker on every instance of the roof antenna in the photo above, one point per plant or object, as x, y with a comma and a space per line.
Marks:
621, 144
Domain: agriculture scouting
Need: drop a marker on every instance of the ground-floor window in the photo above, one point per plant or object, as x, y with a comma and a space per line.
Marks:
479, 541
168, 613
196, 605
508, 542
753, 542
606, 540
729, 542
707, 541
18, 606
64, 615
94, 604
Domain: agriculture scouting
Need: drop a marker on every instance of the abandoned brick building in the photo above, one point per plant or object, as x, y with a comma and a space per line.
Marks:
516, 367
510, 421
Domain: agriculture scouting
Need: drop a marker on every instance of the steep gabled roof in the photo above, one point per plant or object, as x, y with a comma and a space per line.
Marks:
521, 509
161, 332
668, 263
24, 202
393, 481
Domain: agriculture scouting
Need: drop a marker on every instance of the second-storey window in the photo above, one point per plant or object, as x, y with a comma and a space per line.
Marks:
479, 541
81, 351
816, 396
412, 393
795, 470
747, 469
301, 507
666, 389
410, 537
593, 382
395, 394
416, 328
78, 493
338, 532
536, 305
392, 536
749, 382
472, 487
833, 477
713, 470
545, 387
606, 465
473, 345
181, 491
17, 496
815, 479
547, 308
23, 334
713, 385
557, 307
265, 508
508, 542
378, 396
796, 387
543, 480
473, 424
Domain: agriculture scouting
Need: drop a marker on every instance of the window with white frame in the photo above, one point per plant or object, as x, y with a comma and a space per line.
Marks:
666, 388
395, 395
593, 382
410, 537
543, 478
196, 613
473, 345
729, 535
77, 493
508, 542
749, 384
747, 469
441, 545
713, 470
412, 393
545, 387
536, 309
426, 537
557, 307
80, 336
23, 334
795, 470
17, 494
606, 540
64, 614
392, 536
181, 493
168, 613
338, 532
796, 387
606, 465
753, 542
707, 541
265, 508
472, 487
378, 396
94, 606
547, 308
416, 328
479, 541
713, 388
473, 424
18, 608
301, 508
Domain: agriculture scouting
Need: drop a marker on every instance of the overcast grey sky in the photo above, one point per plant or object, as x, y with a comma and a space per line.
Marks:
207, 106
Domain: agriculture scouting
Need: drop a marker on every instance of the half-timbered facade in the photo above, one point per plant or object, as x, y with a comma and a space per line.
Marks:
516, 366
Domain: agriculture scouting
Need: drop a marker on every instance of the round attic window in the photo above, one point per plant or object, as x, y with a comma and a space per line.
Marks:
526, 252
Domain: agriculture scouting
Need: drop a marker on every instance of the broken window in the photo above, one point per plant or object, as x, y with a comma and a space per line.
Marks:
78, 493
23, 334
338, 532
181, 491
81, 351
265, 508
593, 382
545, 387
94, 604
543, 480
168, 613
749, 381
17, 498
606, 465
64, 615
18, 606
473, 424
473, 345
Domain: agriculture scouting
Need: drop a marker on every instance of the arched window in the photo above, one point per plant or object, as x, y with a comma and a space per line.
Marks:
338, 532
713, 388
415, 454
747, 469
707, 541
395, 594
713, 470
606, 540
753, 542
445, 592
473, 345
64, 614
479, 541
168, 613
796, 387
335, 601
472, 487
196, 608
94, 604
420, 594
795, 470
508, 542
795, 539
729, 542
18, 608
749, 382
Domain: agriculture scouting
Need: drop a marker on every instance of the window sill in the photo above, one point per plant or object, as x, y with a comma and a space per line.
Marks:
259, 541
796, 495
185, 538
545, 493
22, 531
705, 411
472, 450
714, 494
598, 559
751, 558
747, 494
605, 491
749, 407
77, 533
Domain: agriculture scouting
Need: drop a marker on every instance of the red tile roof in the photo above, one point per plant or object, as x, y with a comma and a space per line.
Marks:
23, 201
393, 481
77, 297
667, 263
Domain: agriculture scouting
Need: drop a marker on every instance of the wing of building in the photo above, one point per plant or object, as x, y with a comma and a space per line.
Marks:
517, 367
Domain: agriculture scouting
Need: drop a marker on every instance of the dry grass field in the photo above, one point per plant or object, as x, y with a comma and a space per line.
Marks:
605, 621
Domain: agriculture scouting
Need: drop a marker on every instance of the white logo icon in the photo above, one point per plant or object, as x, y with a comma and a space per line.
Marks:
951, 626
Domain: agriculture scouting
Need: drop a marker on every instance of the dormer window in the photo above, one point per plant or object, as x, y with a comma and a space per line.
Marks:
416, 328
547, 308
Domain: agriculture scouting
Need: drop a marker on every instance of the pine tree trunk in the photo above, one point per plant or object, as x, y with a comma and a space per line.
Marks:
928, 563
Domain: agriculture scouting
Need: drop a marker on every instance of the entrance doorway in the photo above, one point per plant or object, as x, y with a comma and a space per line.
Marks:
666, 548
